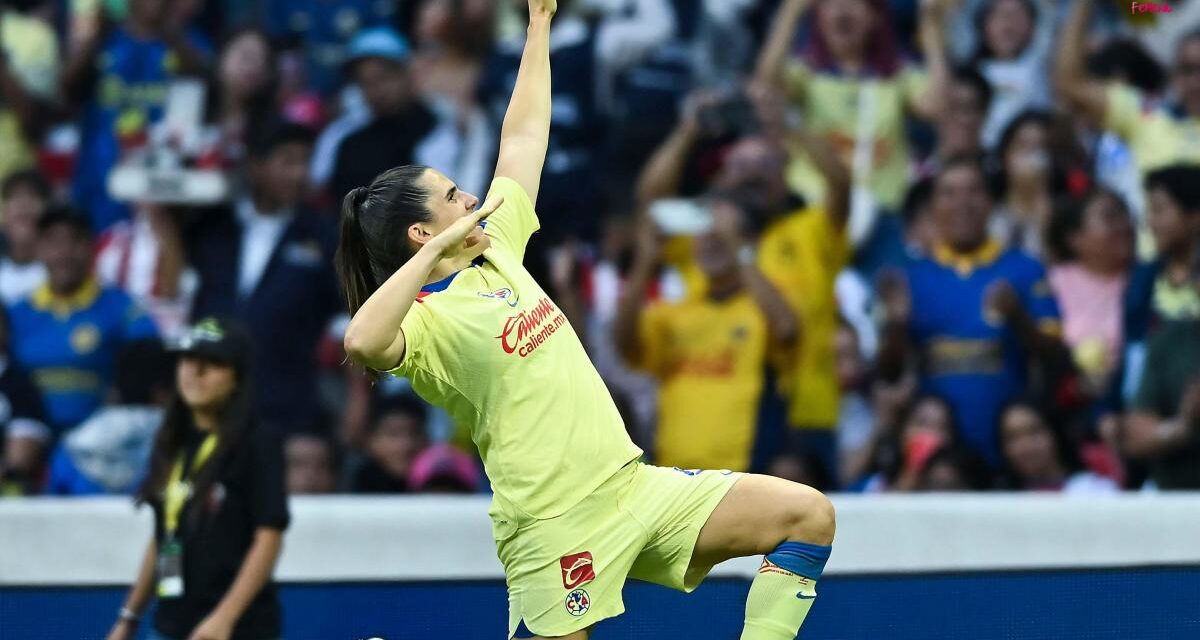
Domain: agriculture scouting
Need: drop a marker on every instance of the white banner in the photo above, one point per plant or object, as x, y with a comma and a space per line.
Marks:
51, 541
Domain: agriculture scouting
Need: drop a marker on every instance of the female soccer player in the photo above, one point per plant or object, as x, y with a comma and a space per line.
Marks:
438, 295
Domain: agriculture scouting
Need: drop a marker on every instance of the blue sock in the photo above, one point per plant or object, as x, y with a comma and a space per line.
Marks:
783, 591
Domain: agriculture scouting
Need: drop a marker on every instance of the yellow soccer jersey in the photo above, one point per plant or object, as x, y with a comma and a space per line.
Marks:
709, 359
1157, 135
491, 348
802, 254
834, 104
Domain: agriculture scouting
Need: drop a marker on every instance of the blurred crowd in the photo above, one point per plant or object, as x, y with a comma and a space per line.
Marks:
870, 245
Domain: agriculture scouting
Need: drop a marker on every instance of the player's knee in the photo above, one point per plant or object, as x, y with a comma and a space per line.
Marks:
811, 517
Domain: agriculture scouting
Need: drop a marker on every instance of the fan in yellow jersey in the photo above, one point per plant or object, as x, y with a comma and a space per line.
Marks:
438, 295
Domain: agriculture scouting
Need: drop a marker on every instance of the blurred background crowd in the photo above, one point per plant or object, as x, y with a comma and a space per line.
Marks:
870, 245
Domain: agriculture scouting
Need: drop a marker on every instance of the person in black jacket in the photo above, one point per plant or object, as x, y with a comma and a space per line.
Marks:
267, 260
220, 503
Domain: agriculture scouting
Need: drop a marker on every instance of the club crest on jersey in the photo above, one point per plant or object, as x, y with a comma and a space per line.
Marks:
578, 602
507, 295
578, 569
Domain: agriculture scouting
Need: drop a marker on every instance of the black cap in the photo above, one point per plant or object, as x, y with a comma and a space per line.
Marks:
219, 339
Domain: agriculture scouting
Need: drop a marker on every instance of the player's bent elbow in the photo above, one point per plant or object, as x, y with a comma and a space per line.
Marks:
811, 517
370, 355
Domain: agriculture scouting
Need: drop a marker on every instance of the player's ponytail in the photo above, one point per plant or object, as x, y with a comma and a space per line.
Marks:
374, 231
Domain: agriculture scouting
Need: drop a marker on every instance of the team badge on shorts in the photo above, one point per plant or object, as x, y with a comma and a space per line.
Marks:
578, 602
577, 569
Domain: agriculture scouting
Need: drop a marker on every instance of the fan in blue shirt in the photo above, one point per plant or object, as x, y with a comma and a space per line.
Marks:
973, 313
120, 76
68, 332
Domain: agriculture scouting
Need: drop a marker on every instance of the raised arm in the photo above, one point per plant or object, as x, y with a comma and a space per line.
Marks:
932, 35
663, 172
1070, 77
769, 67
838, 181
526, 130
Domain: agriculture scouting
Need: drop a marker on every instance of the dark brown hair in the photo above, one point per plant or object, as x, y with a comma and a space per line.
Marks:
374, 231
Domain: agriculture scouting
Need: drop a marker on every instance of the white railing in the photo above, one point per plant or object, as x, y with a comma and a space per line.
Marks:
99, 541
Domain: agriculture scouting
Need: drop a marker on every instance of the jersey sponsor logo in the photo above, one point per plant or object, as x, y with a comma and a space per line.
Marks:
578, 569
507, 295
578, 602
720, 364
528, 330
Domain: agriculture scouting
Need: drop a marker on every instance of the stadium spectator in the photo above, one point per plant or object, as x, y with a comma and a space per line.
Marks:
29, 65
1163, 428
217, 487
320, 33
801, 250
67, 333
1015, 40
1092, 242
1161, 291
954, 468
22, 424
117, 77
852, 58
108, 453
960, 127
1040, 457
24, 197
312, 464
904, 442
1123, 61
403, 128
398, 433
1030, 179
1159, 133
144, 256
452, 39
267, 259
442, 468
972, 316
708, 352
244, 91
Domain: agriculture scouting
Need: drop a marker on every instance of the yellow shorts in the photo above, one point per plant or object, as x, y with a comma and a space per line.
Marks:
566, 573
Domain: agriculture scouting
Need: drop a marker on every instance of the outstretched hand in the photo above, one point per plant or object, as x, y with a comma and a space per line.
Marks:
465, 232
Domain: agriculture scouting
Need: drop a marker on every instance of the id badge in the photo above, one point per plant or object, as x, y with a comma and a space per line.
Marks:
170, 569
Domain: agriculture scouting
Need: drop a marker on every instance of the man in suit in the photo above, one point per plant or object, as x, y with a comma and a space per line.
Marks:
269, 260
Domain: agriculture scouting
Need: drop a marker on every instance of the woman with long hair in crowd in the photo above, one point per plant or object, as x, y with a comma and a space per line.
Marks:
438, 294
220, 505
1030, 176
245, 90
1039, 457
856, 88
1092, 245
1014, 43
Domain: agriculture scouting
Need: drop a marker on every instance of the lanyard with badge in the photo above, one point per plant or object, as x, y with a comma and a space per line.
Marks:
177, 493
